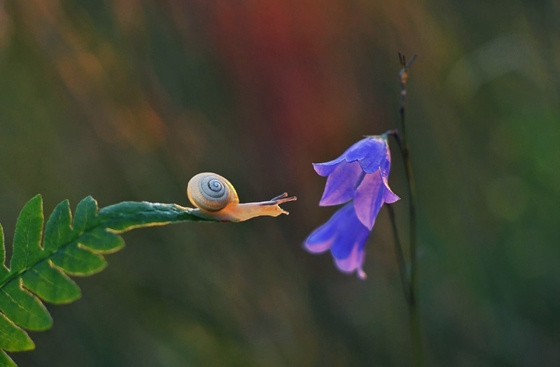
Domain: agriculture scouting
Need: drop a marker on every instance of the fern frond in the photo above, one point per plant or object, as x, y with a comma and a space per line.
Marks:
40, 271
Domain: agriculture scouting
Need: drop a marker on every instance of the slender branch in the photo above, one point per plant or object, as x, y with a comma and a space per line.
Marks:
413, 285
403, 77
399, 253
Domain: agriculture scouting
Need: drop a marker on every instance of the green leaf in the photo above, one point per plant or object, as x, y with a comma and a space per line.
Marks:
27, 239
3, 269
13, 338
102, 241
128, 215
58, 229
6, 361
50, 283
78, 261
86, 215
23, 308
69, 248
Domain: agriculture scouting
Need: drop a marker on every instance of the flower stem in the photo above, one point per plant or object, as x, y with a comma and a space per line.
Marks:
399, 252
413, 285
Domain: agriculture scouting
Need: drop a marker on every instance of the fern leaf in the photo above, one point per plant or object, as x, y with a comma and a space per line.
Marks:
3, 269
40, 272
27, 238
6, 361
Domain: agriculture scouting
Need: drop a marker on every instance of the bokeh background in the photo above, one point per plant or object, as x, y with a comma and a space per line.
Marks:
127, 99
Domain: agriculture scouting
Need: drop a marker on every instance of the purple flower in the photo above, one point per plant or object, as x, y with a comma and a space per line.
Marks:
359, 174
345, 236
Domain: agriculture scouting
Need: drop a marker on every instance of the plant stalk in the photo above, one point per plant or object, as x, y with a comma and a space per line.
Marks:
413, 285
399, 252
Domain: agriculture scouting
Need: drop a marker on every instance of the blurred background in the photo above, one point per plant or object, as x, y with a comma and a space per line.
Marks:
126, 100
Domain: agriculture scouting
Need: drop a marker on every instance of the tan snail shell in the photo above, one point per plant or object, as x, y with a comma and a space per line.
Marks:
215, 198
211, 192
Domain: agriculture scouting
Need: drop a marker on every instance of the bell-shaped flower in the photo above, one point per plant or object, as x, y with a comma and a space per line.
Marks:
345, 236
359, 175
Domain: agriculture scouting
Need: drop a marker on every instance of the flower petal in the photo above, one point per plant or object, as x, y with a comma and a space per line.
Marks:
369, 199
371, 152
370, 149
370, 196
351, 234
322, 238
318, 247
325, 169
340, 184
389, 196
341, 233
385, 166
354, 262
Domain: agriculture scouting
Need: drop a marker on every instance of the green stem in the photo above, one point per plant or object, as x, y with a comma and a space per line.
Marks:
399, 253
413, 285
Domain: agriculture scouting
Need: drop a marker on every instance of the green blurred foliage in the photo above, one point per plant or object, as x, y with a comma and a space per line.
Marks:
126, 100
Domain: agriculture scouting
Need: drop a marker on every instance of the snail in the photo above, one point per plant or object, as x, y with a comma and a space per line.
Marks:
215, 198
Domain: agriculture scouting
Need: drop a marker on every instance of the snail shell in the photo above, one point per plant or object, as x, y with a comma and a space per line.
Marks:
211, 192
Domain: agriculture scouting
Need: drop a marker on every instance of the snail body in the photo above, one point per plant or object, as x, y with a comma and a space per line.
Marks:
215, 198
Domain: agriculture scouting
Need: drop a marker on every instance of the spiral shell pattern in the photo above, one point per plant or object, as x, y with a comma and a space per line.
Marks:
210, 191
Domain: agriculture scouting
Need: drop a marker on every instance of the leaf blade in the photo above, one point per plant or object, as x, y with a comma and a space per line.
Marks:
58, 229
86, 215
51, 284
6, 361
23, 308
78, 261
128, 215
102, 241
27, 237
13, 338
3, 269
